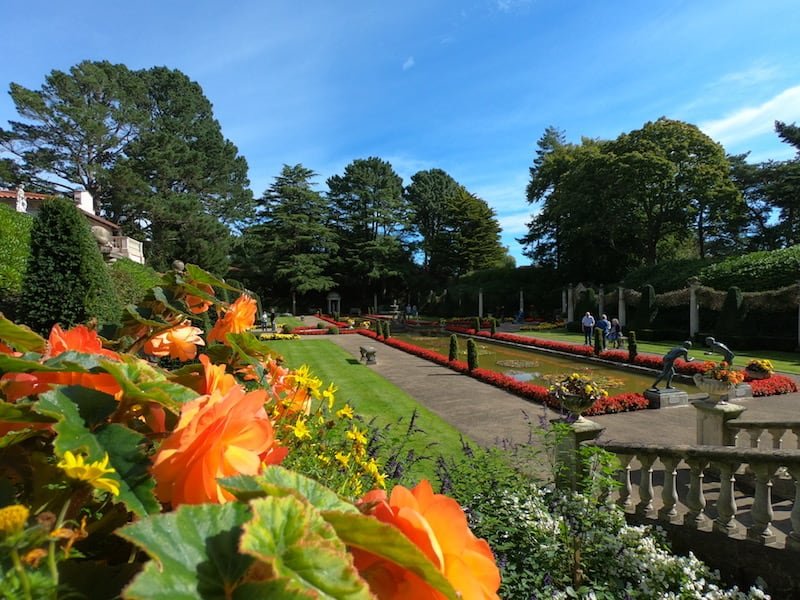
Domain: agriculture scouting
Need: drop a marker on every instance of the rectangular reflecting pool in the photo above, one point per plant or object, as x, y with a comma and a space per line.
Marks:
541, 368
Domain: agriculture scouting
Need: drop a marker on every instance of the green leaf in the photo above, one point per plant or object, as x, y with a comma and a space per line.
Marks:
136, 313
195, 552
12, 364
293, 539
123, 445
279, 482
142, 383
20, 337
198, 275
367, 533
21, 412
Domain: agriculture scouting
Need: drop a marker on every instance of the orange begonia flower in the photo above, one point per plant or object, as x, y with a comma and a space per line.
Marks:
437, 526
196, 304
217, 436
178, 342
80, 339
216, 379
240, 317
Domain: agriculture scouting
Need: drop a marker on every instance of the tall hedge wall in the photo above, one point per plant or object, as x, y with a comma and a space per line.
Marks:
15, 235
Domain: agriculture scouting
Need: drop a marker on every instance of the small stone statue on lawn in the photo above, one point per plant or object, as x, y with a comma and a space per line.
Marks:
669, 364
720, 348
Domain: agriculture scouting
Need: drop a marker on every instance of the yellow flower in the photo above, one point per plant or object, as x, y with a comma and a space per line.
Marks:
329, 395
356, 435
344, 459
324, 458
345, 411
13, 518
300, 430
380, 480
76, 467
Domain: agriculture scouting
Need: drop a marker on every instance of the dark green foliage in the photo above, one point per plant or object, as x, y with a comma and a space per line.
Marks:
472, 354
632, 347
493, 326
598, 340
286, 328
66, 280
587, 302
756, 271
731, 318
132, 280
667, 275
453, 353
387, 330
333, 330
477, 324
15, 233
647, 310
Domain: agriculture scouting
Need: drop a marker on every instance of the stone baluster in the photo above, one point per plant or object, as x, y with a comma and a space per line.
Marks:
726, 504
761, 511
695, 498
796, 432
777, 437
793, 539
754, 434
645, 506
669, 493
625, 479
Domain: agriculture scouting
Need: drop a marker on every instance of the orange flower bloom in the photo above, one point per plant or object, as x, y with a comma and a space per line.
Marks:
240, 317
216, 379
438, 527
196, 304
80, 338
217, 436
178, 342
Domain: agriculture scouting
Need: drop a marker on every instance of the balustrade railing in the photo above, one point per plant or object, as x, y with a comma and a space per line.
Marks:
728, 511
750, 432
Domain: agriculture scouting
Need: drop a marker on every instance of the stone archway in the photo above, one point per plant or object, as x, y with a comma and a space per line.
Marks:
334, 300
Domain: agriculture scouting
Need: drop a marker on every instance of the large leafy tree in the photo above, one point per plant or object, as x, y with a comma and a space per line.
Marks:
371, 219
146, 145
289, 250
76, 126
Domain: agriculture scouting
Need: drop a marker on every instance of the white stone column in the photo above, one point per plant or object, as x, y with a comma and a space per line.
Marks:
711, 420
521, 301
375, 303
480, 302
623, 319
564, 301
570, 304
694, 309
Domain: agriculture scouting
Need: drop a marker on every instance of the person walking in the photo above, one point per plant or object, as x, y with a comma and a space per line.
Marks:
604, 325
587, 322
615, 333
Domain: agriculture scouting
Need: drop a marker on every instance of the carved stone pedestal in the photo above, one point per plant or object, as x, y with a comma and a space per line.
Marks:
665, 398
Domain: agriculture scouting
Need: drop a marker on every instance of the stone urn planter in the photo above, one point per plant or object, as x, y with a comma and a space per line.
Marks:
576, 404
757, 374
717, 390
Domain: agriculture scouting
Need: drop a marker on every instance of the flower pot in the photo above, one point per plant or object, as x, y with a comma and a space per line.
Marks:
717, 390
757, 374
576, 404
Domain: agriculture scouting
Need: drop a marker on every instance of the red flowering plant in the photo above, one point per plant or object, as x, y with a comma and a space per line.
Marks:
117, 456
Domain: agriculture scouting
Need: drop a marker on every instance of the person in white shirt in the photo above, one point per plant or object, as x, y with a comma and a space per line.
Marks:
587, 322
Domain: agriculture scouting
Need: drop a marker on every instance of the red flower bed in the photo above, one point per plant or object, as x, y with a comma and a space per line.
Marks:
775, 384
332, 321
537, 393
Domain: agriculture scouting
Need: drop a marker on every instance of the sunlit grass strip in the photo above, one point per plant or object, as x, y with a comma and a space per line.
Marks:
373, 397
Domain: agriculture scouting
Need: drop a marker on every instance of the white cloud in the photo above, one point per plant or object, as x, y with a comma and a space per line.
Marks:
515, 224
510, 5
752, 121
408, 63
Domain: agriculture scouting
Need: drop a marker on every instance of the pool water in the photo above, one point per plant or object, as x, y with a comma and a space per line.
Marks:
540, 368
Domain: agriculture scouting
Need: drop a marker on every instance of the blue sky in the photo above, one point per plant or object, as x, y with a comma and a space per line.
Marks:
465, 86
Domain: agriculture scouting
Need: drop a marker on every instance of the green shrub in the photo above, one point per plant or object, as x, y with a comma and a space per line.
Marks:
587, 302
132, 280
66, 280
755, 271
493, 326
632, 348
286, 328
647, 310
472, 355
333, 330
668, 275
387, 330
731, 316
477, 324
598, 340
15, 233
453, 354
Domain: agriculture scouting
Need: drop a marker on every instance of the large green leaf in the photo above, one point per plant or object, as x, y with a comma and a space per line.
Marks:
66, 361
20, 337
198, 275
367, 533
144, 316
13, 364
123, 445
195, 552
278, 481
293, 539
142, 383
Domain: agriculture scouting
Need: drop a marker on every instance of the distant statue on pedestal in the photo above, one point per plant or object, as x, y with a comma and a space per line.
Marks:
720, 348
669, 364
22, 203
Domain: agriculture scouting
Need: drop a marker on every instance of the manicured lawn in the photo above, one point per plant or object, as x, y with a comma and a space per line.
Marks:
373, 397
784, 362
291, 321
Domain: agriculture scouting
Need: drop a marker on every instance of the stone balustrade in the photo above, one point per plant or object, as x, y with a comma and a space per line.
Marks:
687, 503
751, 432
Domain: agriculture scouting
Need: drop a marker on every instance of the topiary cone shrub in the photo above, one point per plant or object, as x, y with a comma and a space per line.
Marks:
493, 326
598, 340
472, 355
632, 350
453, 354
477, 324
387, 330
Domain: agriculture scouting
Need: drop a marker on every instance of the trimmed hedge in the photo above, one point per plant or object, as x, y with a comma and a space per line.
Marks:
15, 232
754, 272
132, 280
66, 280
